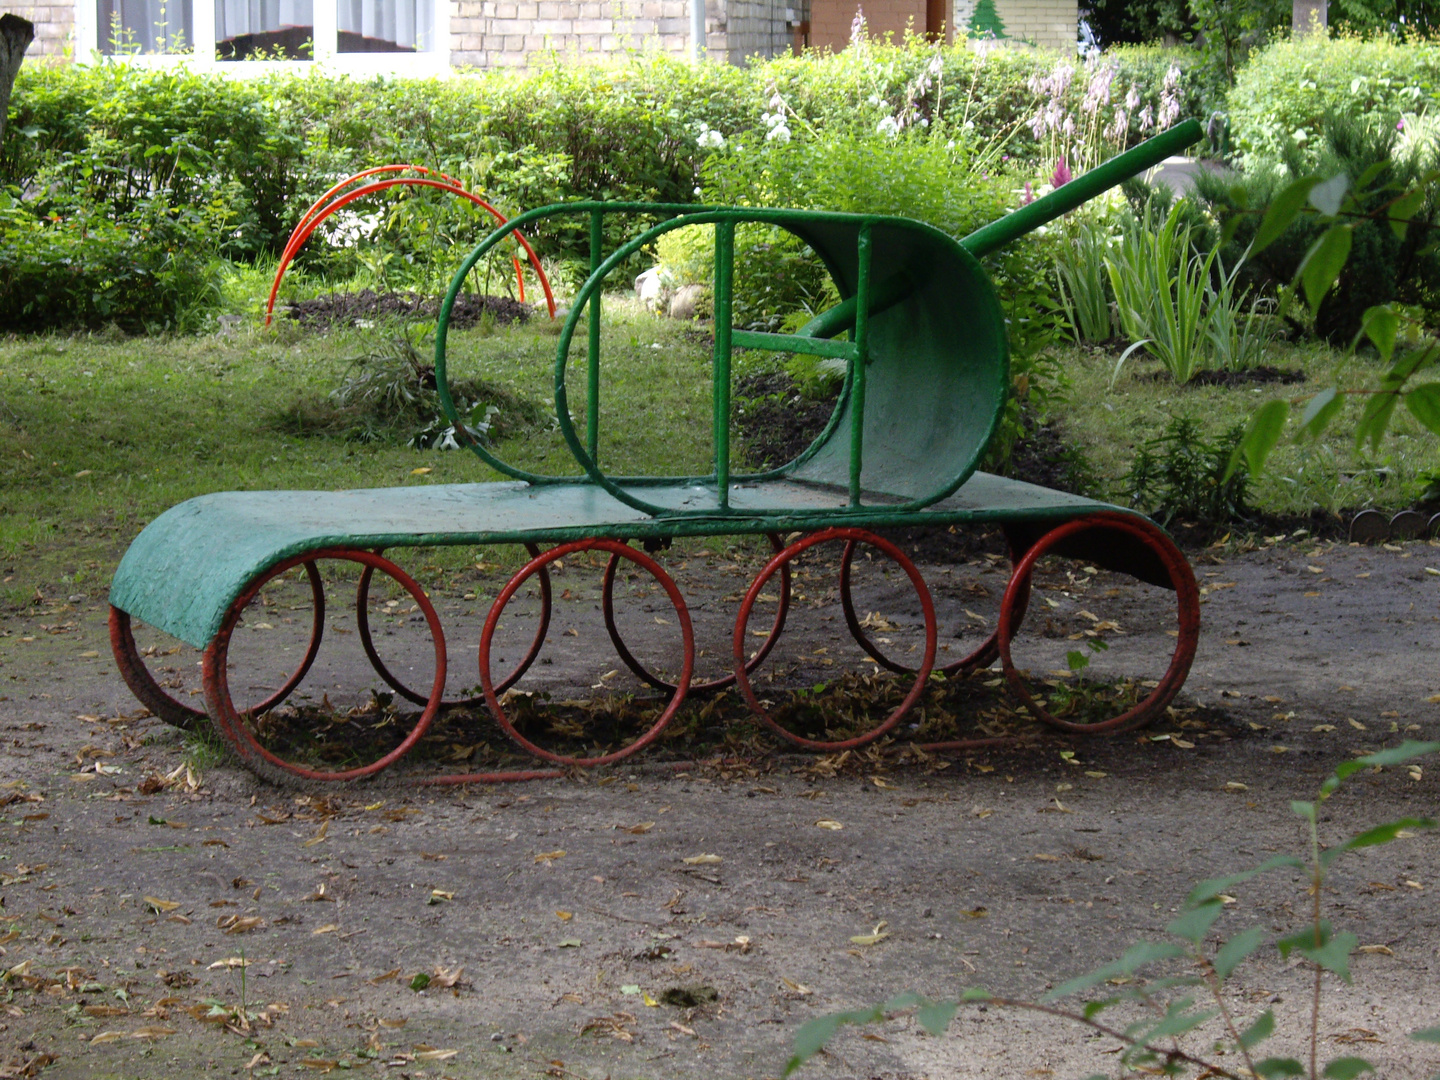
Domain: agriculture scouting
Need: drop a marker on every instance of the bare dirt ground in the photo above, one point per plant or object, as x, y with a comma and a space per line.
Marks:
564, 933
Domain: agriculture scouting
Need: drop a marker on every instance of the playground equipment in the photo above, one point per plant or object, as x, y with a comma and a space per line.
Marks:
926, 376
337, 198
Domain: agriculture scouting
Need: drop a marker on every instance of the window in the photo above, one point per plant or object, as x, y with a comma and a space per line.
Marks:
362, 36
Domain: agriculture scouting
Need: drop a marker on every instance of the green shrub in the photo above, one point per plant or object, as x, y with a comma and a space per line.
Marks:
1181, 474
151, 270
1382, 267
1281, 98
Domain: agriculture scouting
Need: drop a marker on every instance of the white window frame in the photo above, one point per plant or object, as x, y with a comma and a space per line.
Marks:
202, 57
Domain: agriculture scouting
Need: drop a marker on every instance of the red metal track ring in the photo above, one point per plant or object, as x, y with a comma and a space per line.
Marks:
492, 698
177, 714
982, 657
607, 603
742, 620
1187, 596
231, 725
362, 627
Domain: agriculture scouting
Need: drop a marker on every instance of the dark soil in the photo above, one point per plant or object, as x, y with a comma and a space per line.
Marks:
1265, 374
349, 309
774, 420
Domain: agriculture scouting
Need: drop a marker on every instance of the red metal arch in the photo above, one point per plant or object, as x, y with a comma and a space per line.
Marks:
324, 207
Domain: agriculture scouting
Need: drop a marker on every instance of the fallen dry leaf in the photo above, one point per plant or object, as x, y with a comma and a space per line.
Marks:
328, 928
435, 1055
875, 936
549, 856
161, 906
701, 860
391, 974
637, 830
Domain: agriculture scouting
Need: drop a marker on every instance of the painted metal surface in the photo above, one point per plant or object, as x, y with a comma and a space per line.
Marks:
926, 379
1187, 598
333, 201
921, 673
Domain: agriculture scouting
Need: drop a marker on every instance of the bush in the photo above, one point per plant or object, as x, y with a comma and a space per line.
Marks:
1281, 98
151, 270
1383, 267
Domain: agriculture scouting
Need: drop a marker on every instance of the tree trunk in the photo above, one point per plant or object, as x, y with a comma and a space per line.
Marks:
15, 37
1308, 17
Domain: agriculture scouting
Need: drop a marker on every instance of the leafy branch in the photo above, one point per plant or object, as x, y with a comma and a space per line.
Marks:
1152, 1043
1399, 334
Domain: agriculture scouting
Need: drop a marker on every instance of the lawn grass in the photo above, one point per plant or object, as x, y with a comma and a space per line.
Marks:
1108, 423
101, 433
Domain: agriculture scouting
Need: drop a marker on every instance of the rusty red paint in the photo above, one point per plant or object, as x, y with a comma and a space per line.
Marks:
742, 620
1187, 595
682, 614
320, 210
231, 725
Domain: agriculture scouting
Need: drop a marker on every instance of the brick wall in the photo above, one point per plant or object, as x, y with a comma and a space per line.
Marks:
507, 33
54, 23
830, 20
1051, 24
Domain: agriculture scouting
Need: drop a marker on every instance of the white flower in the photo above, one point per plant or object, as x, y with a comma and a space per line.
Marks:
697, 192
874, 99
710, 140
924, 122
774, 119
780, 133
888, 126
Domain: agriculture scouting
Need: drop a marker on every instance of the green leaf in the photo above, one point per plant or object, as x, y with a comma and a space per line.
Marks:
1134, 958
936, 1016
1347, 1068
1375, 420
1329, 194
1380, 324
1177, 1021
811, 1039
1229, 956
1303, 810
1396, 755
1380, 834
1406, 207
1279, 1067
1259, 1031
1194, 924
1076, 660
1283, 209
1320, 410
1430, 1035
1215, 886
1424, 404
1261, 436
1323, 263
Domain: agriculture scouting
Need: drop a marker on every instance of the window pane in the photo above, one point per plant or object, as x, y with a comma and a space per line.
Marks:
145, 26
385, 25
264, 29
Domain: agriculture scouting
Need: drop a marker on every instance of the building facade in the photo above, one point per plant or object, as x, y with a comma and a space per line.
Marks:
431, 36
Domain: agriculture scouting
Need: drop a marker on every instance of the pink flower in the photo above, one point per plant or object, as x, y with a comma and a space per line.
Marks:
1400, 124
1062, 174
1029, 196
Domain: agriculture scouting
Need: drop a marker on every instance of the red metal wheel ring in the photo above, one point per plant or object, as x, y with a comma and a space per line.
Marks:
983, 656
922, 673
141, 683
607, 606
367, 642
228, 722
150, 694
1187, 593
512, 586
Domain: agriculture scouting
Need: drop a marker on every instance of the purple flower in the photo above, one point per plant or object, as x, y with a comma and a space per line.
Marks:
1062, 174
1400, 124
